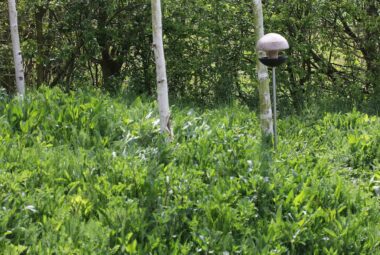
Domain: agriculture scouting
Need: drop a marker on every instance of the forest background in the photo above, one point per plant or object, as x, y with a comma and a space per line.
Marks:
210, 50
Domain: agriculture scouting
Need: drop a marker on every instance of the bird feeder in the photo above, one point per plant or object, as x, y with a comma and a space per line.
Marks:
272, 44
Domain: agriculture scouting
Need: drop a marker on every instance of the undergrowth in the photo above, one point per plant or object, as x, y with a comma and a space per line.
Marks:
83, 173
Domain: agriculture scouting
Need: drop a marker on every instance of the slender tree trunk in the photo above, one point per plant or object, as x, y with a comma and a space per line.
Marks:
162, 82
111, 67
371, 54
19, 70
262, 72
39, 15
111, 71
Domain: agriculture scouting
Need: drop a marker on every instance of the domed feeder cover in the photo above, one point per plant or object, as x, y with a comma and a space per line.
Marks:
272, 44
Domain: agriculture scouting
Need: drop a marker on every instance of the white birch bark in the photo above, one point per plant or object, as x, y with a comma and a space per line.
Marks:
17, 57
262, 73
162, 82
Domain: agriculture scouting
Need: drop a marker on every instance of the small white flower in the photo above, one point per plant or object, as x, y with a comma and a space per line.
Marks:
156, 122
149, 115
31, 208
377, 190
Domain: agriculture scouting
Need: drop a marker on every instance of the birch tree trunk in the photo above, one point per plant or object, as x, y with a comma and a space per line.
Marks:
19, 70
262, 73
162, 82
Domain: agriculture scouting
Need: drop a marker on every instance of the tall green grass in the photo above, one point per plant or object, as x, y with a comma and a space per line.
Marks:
83, 173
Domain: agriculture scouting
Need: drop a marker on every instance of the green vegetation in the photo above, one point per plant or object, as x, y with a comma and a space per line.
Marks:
209, 48
84, 173
84, 168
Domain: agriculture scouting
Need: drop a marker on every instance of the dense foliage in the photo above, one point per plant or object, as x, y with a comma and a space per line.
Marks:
210, 48
83, 173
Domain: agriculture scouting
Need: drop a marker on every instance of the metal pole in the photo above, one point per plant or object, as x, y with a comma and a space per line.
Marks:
274, 108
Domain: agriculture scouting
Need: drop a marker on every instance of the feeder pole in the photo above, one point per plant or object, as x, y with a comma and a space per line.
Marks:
272, 44
274, 107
